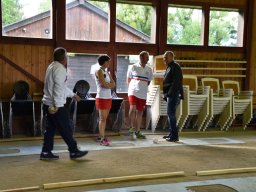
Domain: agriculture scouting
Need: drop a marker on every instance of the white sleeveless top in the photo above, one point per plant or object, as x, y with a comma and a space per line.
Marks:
103, 93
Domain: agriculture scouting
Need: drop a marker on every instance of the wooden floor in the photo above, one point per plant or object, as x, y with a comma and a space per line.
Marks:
197, 151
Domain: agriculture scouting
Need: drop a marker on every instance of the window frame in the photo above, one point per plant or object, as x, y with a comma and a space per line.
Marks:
240, 20
72, 54
90, 41
28, 40
202, 22
154, 20
58, 36
206, 14
138, 59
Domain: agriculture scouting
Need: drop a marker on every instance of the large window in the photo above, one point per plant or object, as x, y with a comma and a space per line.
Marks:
82, 67
87, 20
226, 28
184, 25
27, 18
123, 63
135, 23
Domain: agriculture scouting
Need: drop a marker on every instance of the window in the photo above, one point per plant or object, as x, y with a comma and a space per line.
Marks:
123, 63
184, 25
135, 23
87, 20
226, 29
80, 67
26, 18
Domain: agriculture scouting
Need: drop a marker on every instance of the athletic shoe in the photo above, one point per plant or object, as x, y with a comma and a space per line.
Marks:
77, 154
166, 136
107, 139
133, 136
98, 139
104, 142
131, 131
172, 139
139, 135
48, 156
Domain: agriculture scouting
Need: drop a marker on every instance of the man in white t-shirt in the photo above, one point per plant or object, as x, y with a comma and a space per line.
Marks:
139, 76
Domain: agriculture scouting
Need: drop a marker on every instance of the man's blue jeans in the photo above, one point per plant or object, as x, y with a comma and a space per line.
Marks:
172, 103
60, 121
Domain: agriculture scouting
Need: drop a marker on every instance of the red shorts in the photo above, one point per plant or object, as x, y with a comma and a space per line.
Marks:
103, 104
140, 103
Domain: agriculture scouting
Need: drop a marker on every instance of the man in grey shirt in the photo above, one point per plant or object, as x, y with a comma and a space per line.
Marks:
55, 94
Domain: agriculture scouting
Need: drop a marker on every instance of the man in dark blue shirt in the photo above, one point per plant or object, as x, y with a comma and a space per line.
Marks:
173, 92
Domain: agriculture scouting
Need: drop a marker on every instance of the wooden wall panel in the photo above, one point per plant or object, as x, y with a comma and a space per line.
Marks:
224, 66
34, 59
7, 73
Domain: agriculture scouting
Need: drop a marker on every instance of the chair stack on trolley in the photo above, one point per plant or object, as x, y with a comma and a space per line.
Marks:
213, 104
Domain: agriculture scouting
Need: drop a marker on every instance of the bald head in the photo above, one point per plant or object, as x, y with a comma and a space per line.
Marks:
168, 57
60, 55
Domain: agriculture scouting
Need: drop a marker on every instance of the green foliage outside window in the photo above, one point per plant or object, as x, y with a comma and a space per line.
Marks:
137, 16
11, 11
184, 24
45, 6
183, 28
223, 28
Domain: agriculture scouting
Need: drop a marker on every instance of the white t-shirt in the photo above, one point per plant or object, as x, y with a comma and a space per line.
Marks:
140, 78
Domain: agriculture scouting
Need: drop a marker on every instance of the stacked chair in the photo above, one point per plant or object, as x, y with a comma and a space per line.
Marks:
153, 107
220, 104
85, 107
157, 107
242, 102
21, 105
195, 103
117, 111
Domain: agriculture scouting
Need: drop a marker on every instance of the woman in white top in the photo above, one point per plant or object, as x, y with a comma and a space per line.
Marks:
104, 83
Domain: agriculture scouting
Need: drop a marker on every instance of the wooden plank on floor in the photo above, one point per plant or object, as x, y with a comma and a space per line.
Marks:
226, 171
111, 180
22, 189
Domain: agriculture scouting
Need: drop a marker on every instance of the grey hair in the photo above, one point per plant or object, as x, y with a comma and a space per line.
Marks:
143, 53
170, 52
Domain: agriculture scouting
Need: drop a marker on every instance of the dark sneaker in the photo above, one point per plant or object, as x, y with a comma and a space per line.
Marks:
166, 136
99, 139
172, 139
48, 156
77, 154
